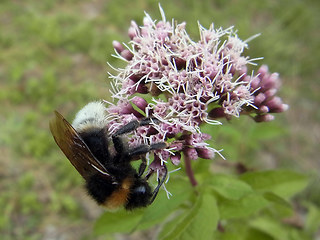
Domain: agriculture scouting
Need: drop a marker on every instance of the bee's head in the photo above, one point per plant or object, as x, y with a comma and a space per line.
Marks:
140, 194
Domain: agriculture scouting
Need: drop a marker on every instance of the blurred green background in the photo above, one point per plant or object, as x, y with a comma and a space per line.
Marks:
53, 56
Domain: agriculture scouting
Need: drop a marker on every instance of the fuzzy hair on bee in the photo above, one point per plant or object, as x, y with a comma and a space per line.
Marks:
104, 160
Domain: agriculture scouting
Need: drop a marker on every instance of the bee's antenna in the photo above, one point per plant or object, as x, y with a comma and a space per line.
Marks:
160, 182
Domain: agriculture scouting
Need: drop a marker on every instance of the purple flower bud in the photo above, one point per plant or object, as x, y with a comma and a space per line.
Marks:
127, 54
191, 153
270, 93
269, 82
274, 103
264, 118
205, 153
179, 62
255, 83
134, 78
263, 109
246, 79
217, 113
133, 30
196, 139
132, 87
280, 108
156, 166
139, 102
205, 136
176, 158
123, 108
165, 155
243, 70
118, 46
176, 145
263, 70
126, 109
259, 99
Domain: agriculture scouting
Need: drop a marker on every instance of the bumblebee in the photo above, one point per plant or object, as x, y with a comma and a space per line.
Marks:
104, 161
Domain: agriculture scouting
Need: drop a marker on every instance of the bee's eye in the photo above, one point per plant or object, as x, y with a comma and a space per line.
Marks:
140, 190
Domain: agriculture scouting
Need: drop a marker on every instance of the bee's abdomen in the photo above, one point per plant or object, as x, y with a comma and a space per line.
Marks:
100, 188
120, 196
108, 194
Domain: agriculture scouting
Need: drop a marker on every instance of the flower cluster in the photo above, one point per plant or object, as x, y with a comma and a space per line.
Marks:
184, 83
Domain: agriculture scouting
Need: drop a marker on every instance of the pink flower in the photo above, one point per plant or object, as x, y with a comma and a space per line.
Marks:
187, 83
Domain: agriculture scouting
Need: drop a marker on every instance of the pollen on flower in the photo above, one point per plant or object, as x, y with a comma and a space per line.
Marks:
187, 83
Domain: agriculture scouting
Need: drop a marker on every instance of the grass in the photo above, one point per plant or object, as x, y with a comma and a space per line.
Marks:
53, 56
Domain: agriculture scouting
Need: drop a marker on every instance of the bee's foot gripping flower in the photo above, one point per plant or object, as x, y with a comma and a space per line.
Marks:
187, 83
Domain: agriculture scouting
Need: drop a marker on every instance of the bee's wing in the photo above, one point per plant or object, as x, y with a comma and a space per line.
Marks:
75, 148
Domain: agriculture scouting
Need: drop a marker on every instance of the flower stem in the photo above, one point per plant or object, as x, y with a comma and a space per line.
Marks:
189, 171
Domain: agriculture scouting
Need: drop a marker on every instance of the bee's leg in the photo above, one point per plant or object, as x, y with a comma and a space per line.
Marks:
129, 127
133, 125
143, 149
142, 166
160, 182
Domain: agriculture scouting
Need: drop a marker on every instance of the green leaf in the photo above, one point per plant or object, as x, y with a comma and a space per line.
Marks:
114, 222
229, 187
284, 183
205, 221
243, 207
162, 206
271, 227
276, 199
254, 234
313, 218
232, 230
281, 207
266, 131
183, 223
171, 225
199, 222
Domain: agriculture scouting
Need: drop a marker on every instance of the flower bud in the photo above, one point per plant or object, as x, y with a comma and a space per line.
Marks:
263, 109
205, 153
139, 102
274, 103
133, 30
269, 82
179, 62
264, 118
176, 158
176, 145
280, 108
259, 99
117, 46
255, 83
127, 54
156, 166
217, 113
263, 70
270, 93
191, 153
